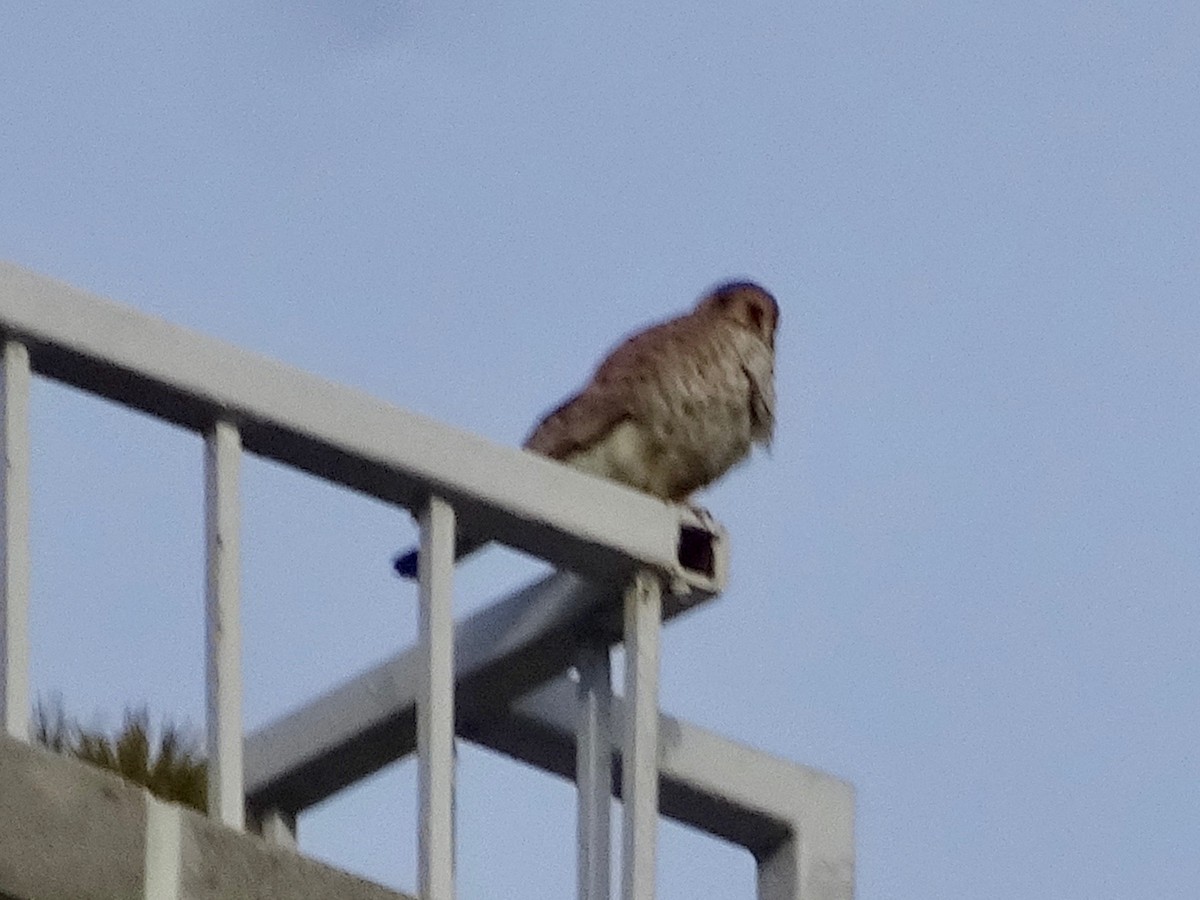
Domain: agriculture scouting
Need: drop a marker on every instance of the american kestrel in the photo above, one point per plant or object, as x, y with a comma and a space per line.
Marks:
672, 408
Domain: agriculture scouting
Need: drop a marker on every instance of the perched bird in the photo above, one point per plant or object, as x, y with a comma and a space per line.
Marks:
672, 408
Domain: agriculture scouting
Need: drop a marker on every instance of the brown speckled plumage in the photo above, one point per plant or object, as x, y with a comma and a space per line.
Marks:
673, 407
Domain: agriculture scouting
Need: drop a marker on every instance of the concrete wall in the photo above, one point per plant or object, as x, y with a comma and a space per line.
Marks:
70, 831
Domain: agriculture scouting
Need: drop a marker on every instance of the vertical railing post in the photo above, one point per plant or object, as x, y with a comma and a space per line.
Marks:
279, 828
435, 703
593, 768
14, 540
223, 632
778, 871
639, 753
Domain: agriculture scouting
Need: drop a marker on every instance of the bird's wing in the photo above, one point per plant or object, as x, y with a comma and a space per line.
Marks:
759, 368
614, 395
578, 424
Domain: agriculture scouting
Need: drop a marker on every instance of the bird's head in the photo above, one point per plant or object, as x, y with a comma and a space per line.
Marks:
747, 304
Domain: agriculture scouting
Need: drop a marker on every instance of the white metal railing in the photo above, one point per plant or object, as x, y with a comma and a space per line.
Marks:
593, 768
639, 774
223, 630
435, 703
514, 699
242, 402
14, 554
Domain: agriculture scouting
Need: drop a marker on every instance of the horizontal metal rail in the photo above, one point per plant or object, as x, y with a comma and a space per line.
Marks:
500, 654
797, 821
572, 520
722, 787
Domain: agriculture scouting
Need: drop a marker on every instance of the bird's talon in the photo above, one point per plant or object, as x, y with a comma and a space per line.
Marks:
707, 522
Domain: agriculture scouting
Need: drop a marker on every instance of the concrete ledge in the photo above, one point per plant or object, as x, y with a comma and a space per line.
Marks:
71, 831
66, 829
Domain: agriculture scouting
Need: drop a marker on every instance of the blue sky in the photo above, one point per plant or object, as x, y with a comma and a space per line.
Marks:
966, 578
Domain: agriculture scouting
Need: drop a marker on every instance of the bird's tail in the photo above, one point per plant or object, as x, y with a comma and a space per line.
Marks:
407, 563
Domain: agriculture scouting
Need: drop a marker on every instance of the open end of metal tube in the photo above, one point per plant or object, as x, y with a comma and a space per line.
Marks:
696, 552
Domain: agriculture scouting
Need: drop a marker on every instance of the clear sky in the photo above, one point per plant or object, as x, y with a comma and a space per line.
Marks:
965, 580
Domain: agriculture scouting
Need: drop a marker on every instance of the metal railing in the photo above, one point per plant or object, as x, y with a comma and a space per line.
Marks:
655, 564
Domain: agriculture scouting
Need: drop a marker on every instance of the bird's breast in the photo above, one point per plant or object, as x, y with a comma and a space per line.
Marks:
690, 418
